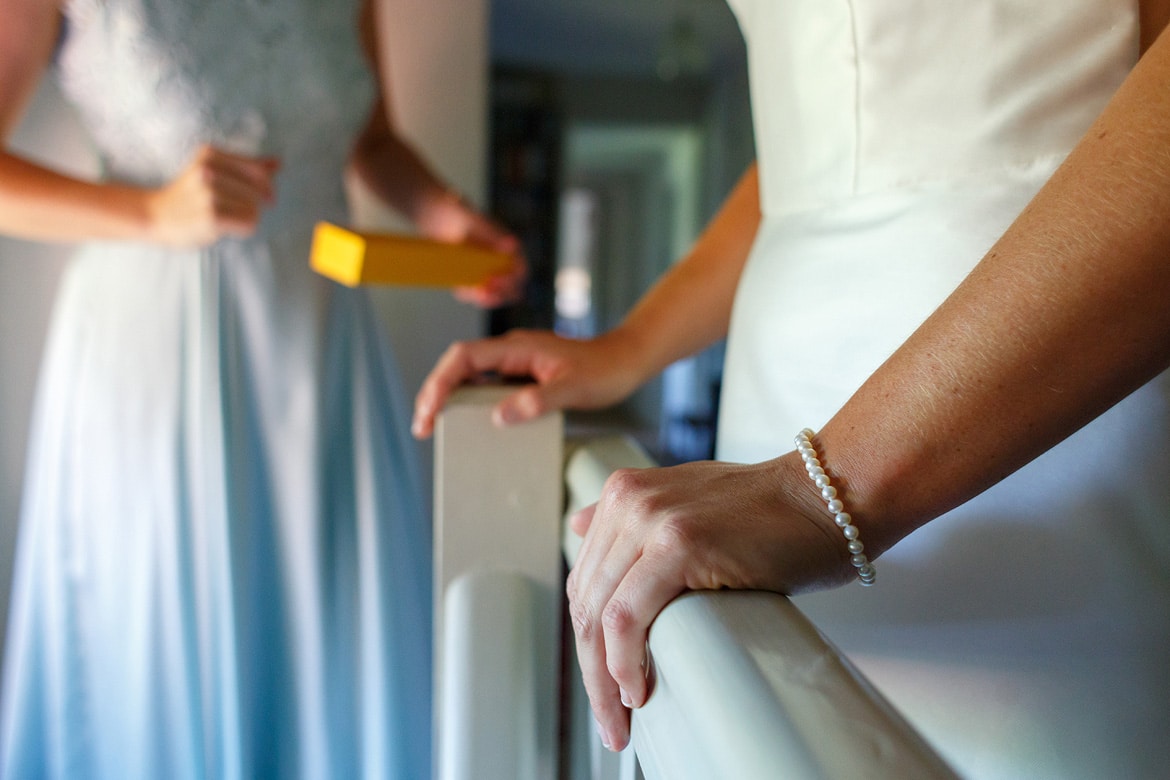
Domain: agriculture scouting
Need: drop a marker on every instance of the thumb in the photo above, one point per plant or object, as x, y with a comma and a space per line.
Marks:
529, 403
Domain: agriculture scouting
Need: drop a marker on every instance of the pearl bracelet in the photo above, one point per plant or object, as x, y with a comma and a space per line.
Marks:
865, 571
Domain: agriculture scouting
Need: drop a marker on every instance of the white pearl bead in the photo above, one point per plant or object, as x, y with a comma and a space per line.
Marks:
808, 454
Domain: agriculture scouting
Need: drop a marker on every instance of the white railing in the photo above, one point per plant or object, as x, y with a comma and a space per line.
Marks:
746, 686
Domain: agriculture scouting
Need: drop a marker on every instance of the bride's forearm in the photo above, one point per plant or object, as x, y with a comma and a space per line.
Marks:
1066, 315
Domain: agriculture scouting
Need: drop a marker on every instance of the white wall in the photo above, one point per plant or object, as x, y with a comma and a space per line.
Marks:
439, 61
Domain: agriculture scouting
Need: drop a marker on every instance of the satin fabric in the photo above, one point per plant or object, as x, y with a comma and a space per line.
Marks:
223, 568
897, 139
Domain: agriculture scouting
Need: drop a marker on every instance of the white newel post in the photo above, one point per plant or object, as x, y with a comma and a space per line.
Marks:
498, 592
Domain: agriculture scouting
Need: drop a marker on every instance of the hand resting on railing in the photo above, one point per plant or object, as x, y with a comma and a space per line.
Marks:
1052, 328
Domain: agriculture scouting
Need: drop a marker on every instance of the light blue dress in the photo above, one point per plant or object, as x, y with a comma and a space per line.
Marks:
224, 566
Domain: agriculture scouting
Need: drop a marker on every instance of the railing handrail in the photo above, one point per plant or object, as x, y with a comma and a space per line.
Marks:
746, 686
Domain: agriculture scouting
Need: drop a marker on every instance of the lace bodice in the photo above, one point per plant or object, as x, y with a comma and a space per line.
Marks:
153, 79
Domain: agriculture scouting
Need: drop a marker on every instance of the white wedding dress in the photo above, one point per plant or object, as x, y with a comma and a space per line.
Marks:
224, 563
1024, 633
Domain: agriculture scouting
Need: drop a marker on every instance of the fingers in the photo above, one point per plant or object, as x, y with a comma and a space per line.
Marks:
495, 292
612, 607
645, 590
451, 370
503, 288
553, 362
589, 589
218, 194
460, 362
240, 179
627, 571
582, 520
528, 403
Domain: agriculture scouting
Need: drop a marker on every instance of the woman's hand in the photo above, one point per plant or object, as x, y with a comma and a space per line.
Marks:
568, 374
218, 194
656, 533
449, 218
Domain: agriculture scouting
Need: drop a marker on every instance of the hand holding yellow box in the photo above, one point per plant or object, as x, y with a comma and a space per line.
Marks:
357, 258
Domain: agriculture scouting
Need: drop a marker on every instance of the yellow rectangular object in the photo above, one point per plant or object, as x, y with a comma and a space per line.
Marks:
359, 258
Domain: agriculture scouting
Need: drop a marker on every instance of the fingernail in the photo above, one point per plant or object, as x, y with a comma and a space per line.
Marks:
604, 736
626, 700
505, 415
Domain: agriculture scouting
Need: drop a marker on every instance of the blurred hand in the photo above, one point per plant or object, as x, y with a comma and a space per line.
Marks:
456, 222
656, 533
218, 194
568, 374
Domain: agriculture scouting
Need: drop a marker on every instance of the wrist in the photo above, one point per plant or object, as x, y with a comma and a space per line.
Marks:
876, 477
836, 506
825, 558
631, 354
130, 213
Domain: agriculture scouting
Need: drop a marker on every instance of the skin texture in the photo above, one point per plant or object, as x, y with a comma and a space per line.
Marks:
594, 374
1063, 318
217, 194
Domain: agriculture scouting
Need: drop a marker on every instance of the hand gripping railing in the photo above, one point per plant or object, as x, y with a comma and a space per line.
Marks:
746, 687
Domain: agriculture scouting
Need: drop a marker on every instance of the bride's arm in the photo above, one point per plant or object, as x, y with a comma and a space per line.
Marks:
1065, 316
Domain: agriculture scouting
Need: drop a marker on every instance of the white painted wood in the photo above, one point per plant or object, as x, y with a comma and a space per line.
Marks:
498, 510
746, 687
491, 727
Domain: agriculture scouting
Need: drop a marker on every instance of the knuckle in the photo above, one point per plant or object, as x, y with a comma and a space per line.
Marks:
618, 618
584, 626
532, 401
622, 483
